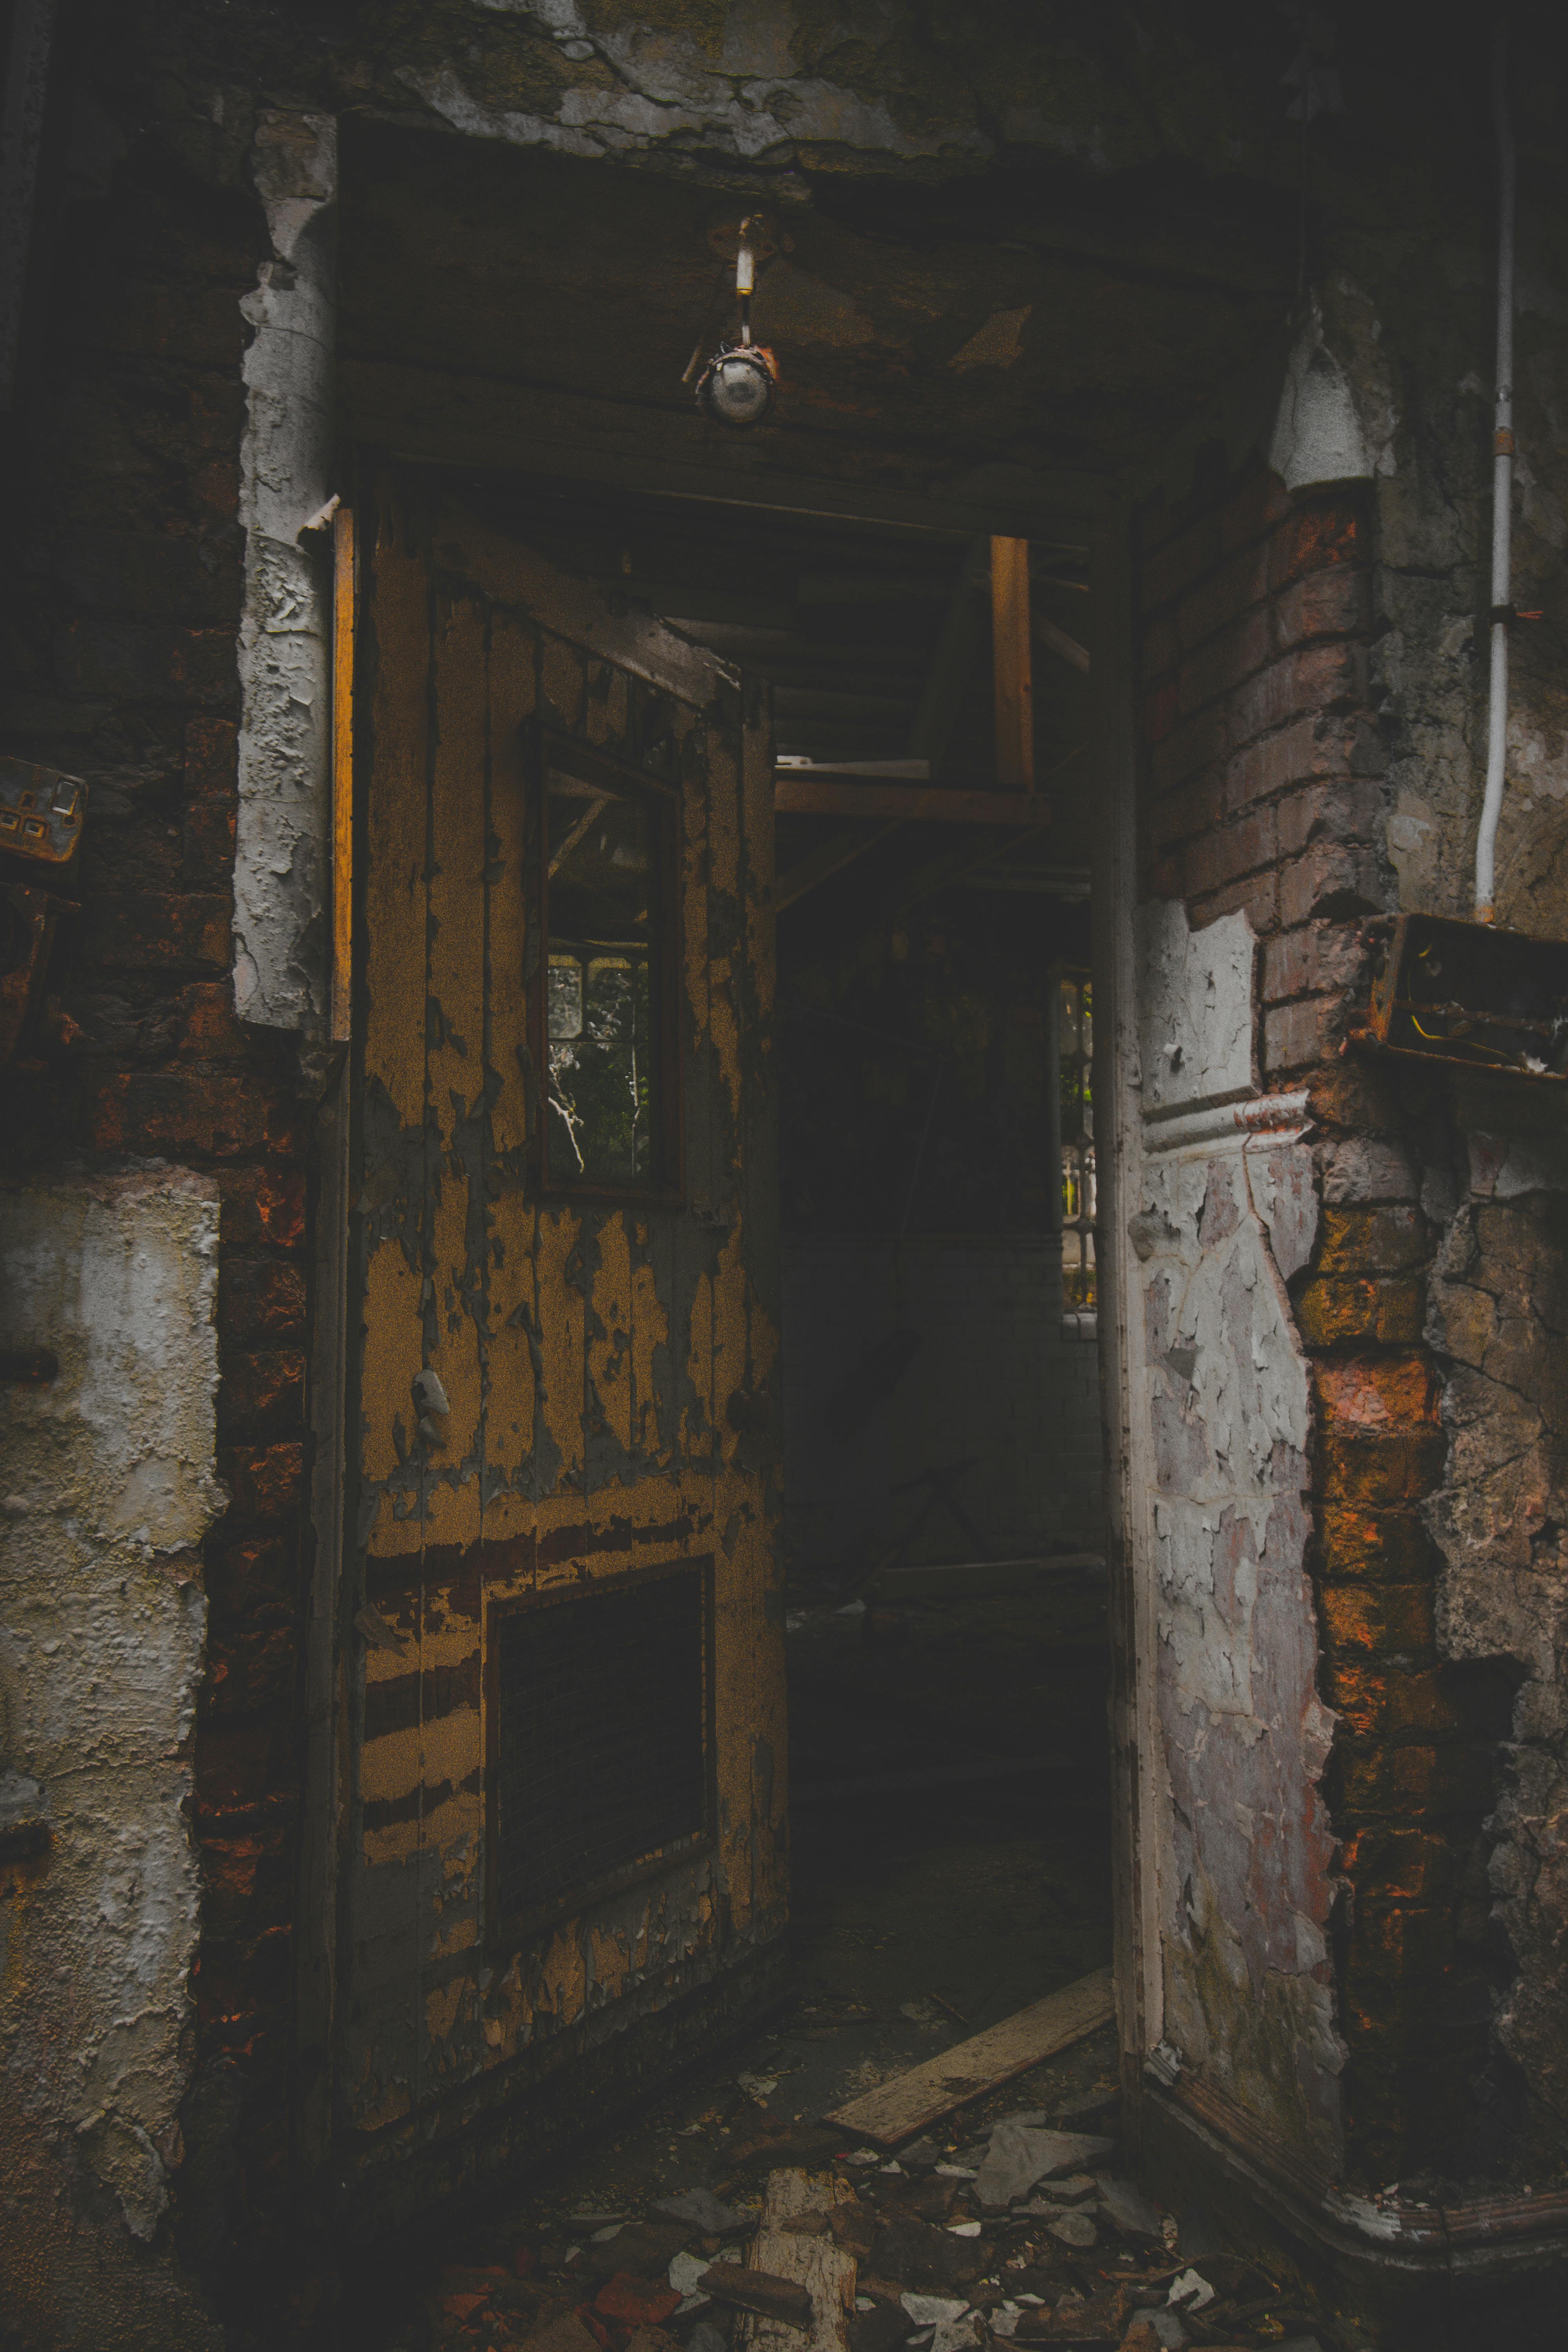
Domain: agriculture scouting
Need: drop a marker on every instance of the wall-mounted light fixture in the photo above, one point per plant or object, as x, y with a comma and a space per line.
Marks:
737, 384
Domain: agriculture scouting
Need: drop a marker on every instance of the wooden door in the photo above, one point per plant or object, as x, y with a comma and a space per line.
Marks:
568, 1758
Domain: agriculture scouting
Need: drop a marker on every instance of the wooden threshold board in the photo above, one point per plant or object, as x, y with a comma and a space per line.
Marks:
898, 2109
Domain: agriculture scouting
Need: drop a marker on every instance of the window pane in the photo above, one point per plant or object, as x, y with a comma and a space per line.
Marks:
601, 916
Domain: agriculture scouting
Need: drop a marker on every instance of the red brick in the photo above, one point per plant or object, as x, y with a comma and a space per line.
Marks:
158, 932
1373, 1393
1257, 897
247, 1883
262, 1204
260, 1299
1366, 1619
233, 1982
1234, 588
1225, 660
1225, 851
1330, 811
1401, 1467
1406, 1943
1194, 551
1354, 1543
264, 1481
141, 661
212, 758
251, 1667
1311, 681
1384, 1238
261, 1392
1409, 1865
1376, 1779
1337, 1311
1310, 747
215, 490
1314, 536
1197, 743
177, 1112
1299, 1036
1328, 882
206, 843
213, 1029
1288, 966
1336, 603
1162, 708
242, 1767
1160, 650
256, 1580
1375, 1698
1260, 504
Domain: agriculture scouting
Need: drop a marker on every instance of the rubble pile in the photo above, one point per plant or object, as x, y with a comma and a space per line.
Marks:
1031, 2234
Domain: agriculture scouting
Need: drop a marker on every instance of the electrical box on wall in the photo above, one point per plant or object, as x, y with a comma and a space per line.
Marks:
1445, 990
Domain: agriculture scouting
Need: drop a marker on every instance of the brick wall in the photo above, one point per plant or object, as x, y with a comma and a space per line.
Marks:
994, 1377
1263, 761
122, 599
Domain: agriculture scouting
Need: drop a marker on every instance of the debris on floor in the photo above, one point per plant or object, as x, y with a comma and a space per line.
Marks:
1018, 2232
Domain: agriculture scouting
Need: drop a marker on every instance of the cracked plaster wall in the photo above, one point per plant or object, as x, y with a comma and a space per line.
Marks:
108, 1488
1221, 1224
280, 880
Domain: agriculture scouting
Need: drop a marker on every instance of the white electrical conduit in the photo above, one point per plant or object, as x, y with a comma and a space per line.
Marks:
1503, 492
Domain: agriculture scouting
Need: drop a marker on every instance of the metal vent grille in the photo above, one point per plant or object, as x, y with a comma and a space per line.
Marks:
600, 1742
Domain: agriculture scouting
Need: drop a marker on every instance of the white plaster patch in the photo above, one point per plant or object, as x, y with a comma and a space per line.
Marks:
279, 885
1318, 433
101, 1630
1195, 1021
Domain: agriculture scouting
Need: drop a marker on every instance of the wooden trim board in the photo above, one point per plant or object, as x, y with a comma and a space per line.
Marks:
898, 2109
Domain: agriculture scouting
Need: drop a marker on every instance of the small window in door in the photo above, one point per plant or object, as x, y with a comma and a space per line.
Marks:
603, 921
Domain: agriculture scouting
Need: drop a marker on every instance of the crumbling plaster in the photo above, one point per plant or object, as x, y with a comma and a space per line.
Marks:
1223, 1218
280, 881
108, 1488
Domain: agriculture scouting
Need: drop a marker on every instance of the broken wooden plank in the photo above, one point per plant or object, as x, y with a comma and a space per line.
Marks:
898, 2109
819, 2268
796, 794
763, 2293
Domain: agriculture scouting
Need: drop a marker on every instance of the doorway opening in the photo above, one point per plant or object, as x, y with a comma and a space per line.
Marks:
937, 1417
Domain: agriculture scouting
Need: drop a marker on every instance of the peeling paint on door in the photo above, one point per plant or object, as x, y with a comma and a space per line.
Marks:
589, 1352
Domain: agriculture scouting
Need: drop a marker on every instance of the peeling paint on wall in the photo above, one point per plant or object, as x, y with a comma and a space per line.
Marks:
1219, 1223
108, 1488
279, 876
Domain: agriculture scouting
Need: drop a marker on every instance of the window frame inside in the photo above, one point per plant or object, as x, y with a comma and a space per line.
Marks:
554, 751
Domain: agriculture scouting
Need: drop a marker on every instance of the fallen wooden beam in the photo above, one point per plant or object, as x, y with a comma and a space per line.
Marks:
820, 2272
798, 794
763, 2292
897, 2110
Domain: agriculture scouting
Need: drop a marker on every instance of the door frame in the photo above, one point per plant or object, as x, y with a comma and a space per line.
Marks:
1105, 521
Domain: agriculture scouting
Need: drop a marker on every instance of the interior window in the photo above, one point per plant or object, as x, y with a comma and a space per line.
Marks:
605, 912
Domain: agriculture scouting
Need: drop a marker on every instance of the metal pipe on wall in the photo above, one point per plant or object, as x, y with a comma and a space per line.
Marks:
1502, 493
